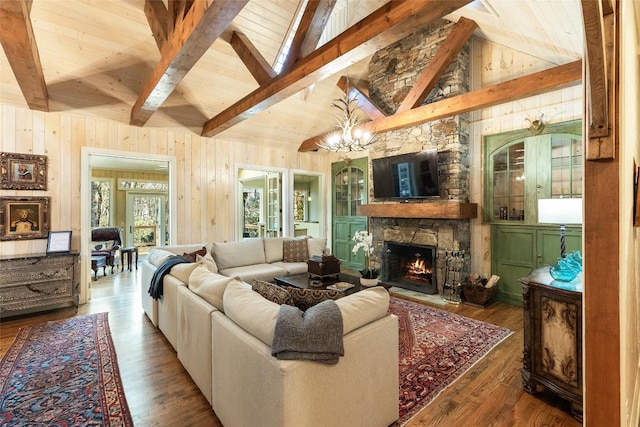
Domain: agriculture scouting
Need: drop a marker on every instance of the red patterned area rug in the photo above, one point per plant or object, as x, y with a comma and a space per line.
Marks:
436, 348
63, 373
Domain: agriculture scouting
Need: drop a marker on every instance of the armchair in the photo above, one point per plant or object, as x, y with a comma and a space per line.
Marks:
106, 242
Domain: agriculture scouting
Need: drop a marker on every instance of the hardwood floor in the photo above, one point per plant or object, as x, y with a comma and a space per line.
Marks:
160, 392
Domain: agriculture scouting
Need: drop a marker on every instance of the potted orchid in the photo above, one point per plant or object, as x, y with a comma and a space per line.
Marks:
364, 241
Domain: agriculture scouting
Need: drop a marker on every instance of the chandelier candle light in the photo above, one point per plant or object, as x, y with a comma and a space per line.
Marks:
364, 240
349, 136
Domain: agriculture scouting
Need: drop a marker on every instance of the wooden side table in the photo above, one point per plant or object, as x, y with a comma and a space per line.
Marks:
129, 255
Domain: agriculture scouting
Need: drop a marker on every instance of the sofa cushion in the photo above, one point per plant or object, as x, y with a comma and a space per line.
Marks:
191, 256
316, 246
306, 298
295, 250
158, 256
251, 311
292, 267
272, 292
361, 308
209, 286
258, 271
183, 271
208, 262
273, 248
238, 254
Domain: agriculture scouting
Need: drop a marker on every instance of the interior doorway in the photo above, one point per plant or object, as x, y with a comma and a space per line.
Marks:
132, 163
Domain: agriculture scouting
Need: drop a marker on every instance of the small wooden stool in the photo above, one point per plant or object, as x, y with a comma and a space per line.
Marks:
97, 262
129, 255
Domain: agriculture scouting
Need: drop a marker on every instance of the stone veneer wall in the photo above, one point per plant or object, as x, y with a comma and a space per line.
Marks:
392, 73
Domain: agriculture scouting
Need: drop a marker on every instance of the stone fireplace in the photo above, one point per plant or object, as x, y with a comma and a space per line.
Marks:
434, 231
409, 266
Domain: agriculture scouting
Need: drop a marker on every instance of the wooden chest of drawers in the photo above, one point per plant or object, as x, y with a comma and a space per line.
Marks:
30, 283
552, 355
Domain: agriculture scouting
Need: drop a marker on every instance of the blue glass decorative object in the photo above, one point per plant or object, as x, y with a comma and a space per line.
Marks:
567, 268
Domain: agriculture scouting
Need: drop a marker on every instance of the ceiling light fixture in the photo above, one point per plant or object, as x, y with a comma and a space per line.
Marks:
348, 137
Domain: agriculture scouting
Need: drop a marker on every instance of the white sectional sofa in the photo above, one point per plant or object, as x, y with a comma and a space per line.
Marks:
222, 331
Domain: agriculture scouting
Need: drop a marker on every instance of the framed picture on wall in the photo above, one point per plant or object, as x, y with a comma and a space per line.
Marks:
23, 171
59, 241
23, 218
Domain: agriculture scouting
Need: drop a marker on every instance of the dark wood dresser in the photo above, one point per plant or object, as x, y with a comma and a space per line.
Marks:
552, 356
37, 282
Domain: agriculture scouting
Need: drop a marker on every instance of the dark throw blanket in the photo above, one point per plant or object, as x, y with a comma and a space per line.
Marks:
315, 334
155, 287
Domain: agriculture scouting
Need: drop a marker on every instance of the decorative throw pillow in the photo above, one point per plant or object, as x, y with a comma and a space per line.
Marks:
295, 250
105, 245
192, 255
272, 292
305, 298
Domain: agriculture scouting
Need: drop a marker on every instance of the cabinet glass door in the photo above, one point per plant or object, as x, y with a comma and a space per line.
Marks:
566, 166
508, 183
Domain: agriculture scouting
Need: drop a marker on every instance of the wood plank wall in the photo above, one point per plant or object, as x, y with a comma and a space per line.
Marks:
205, 168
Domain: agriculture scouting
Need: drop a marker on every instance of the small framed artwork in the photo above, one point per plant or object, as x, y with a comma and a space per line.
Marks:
23, 171
23, 218
59, 241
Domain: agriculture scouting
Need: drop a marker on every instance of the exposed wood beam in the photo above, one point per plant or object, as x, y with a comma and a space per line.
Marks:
312, 24
19, 44
191, 38
360, 90
596, 69
521, 87
252, 58
445, 55
388, 24
158, 18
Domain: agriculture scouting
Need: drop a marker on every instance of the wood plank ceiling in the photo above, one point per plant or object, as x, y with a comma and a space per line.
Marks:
214, 73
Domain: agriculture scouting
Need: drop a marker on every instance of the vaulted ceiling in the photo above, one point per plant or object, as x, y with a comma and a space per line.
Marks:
116, 60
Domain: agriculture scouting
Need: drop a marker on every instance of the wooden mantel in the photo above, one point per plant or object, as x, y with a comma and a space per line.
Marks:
435, 210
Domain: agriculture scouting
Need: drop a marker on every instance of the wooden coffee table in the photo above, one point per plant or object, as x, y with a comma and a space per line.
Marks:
305, 281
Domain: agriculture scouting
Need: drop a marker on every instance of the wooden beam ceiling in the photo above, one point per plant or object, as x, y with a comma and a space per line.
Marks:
522, 87
158, 18
19, 44
257, 65
312, 24
191, 38
388, 24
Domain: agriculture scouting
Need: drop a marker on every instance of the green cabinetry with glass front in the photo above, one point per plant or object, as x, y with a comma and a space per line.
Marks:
521, 168
349, 183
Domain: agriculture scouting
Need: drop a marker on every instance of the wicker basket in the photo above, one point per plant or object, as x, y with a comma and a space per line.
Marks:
478, 295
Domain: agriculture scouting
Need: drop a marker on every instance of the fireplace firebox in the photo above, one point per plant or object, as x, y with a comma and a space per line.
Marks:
410, 266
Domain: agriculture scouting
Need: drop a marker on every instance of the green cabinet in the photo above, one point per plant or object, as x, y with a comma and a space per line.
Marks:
516, 250
520, 169
350, 184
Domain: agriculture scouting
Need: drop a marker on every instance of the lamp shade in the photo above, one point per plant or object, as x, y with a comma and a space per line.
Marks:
560, 211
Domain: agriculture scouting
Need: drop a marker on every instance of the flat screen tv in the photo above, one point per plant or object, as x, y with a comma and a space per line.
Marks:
406, 176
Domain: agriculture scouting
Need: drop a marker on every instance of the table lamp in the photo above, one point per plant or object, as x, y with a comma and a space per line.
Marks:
560, 211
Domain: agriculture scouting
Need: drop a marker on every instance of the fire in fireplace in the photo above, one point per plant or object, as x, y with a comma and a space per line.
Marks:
410, 266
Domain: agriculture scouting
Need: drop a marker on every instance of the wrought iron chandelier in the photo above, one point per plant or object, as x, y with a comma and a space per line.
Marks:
348, 137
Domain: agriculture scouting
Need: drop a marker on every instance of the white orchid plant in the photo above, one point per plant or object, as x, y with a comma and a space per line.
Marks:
364, 241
